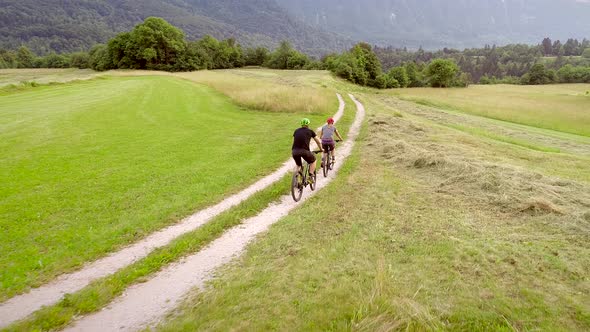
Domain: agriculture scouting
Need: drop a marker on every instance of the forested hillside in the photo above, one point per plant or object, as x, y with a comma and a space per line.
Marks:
74, 25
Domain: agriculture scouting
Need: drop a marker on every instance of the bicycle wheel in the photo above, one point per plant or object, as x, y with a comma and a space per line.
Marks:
297, 186
326, 165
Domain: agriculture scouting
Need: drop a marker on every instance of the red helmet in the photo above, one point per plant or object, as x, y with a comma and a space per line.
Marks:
330, 121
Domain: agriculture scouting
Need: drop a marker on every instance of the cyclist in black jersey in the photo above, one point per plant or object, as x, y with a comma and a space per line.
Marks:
300, 149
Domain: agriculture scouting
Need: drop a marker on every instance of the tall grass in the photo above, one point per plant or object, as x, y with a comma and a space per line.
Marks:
264, 95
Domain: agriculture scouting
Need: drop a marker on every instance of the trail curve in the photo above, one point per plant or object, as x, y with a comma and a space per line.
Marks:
21, 306
143, 305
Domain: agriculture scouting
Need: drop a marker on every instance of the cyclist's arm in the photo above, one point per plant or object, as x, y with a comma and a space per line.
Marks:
317, 141
338, 134
322, 134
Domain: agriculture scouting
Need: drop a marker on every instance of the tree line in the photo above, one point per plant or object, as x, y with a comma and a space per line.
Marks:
157, 45
512, 64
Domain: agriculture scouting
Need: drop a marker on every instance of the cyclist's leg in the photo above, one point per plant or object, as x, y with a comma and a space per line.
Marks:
311, 160
333, 148
297, 157
312, 167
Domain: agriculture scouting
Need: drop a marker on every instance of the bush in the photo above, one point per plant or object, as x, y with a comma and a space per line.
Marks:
256, 56
359, 65
381, 82
54, 61
100, 59
80, 60
441, 72
400, 75
538, 75
286, 57
415, 79
462, 81
571, 74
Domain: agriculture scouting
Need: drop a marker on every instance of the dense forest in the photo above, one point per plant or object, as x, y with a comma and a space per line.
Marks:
155, 44
64, 26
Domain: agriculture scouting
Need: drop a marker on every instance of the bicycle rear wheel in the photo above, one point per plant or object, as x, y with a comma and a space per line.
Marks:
326, 165
297, 186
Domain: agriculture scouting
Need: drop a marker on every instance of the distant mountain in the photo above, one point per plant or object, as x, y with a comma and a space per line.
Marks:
72, 25
314, 26
446, 23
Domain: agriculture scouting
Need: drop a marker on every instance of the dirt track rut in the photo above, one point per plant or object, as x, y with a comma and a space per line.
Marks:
145, 304
23, 305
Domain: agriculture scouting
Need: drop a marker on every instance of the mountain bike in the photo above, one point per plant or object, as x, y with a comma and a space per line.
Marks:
328, 161
301, 180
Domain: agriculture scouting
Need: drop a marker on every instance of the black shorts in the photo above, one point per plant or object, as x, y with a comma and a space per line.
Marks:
307, 155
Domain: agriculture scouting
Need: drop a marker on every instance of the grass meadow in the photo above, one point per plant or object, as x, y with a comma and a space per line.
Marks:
44, 76
563, 107
90, 166
426, 228
444, 218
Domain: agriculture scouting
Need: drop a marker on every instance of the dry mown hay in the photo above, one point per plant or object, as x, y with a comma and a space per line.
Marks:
539, 206
452, 170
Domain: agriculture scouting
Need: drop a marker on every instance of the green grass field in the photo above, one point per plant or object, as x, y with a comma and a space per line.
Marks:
465, 210
90, 166
429, 227
564, 107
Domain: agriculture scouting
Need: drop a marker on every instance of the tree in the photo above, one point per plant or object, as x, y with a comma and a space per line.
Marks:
566, 74
400, 75
441, 72
25, 57
547, 47
571, 47
55, 61
153, 44
99, 58
80, 60
586, 53
280, 57
538, 75
367, 60
256, 56
286, 57
557, 47
414, 75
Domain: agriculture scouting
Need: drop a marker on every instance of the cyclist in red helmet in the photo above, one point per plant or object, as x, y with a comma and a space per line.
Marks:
327, 137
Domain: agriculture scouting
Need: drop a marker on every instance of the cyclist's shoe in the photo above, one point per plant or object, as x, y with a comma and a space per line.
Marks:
311, 178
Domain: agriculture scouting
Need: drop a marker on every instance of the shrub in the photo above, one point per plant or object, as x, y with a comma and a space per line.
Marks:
538, 75
441, 72
400, 75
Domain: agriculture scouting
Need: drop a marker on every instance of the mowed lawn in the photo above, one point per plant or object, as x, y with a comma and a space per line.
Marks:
91, 166
563, 107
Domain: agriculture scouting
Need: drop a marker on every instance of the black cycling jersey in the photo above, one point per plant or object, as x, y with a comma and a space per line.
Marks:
301, 138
